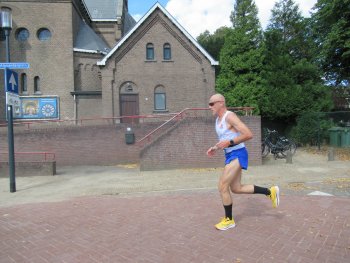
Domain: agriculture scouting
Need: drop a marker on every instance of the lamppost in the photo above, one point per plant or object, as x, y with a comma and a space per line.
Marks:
6, 26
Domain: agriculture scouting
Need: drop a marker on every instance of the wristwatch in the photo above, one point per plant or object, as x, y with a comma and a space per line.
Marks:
232, 143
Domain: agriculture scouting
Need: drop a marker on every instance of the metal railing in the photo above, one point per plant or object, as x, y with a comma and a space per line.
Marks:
28, 124
179, 116
85, 121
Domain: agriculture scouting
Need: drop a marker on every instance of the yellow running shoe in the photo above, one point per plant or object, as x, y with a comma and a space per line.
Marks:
225, 224
275, 196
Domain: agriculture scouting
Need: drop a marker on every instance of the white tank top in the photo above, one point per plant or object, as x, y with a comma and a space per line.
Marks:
226, 134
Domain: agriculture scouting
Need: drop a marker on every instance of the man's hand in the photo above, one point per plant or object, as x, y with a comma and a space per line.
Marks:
223, 144
211, 151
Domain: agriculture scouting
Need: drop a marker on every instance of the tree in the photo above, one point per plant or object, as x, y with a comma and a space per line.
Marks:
213, 43
294, 83
241, 58
331, 25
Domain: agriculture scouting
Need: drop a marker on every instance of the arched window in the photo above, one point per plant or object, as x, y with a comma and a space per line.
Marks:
24, 83
159, 98
166, 51
37, 85
149, 51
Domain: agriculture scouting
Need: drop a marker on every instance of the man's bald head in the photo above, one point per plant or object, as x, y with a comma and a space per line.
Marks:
217, 97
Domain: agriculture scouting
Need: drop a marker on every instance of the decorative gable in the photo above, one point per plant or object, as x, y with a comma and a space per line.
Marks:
152, 14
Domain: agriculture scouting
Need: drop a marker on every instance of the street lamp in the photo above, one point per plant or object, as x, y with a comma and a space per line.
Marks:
6, 26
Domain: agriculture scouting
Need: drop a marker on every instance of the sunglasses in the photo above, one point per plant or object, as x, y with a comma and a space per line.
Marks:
211, 104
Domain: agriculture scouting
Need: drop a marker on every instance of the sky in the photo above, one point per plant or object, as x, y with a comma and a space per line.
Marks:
196, 16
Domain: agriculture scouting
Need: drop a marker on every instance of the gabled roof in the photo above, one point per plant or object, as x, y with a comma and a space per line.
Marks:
104, 10
142, 20
88, 41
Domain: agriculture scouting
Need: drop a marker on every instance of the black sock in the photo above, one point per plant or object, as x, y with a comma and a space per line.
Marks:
228, 211
261, 190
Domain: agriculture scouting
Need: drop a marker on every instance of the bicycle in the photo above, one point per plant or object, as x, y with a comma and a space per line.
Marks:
277, 145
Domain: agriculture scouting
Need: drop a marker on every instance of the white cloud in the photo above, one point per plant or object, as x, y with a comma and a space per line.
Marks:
265, 6
137, 17
196, 16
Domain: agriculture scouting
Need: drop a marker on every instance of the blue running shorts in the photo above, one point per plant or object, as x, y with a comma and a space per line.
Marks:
240, 154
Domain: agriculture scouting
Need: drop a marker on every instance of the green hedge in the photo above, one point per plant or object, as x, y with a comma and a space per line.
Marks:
311, 127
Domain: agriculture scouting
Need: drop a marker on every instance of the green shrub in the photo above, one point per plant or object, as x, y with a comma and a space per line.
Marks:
311, 127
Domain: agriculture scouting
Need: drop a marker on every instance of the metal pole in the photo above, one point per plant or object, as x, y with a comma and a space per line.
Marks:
7, 35
318, 133
11, 149
10, 139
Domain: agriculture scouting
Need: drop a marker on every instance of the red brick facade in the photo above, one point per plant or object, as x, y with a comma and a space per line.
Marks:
86, 89
183, 146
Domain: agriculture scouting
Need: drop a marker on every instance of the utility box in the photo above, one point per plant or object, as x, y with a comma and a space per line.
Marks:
129, 136
345, 137
334, 136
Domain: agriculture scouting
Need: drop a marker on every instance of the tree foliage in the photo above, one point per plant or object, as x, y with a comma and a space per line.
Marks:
331, 25
241, 58
293, 80
286, 70
213, 42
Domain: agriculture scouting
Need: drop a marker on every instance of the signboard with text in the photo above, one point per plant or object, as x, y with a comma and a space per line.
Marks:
15, 65
15, 101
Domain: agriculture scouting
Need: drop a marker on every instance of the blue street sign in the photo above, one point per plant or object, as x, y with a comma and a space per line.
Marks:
11, 81
17, 65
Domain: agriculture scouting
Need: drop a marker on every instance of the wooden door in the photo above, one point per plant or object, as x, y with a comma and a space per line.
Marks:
129, 106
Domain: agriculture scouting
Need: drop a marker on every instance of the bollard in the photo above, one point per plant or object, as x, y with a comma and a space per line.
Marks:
331, 154
289, 158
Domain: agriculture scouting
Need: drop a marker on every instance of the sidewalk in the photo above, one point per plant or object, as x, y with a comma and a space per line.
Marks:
119, 214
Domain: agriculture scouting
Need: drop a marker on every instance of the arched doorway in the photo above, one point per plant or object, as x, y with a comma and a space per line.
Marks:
129, 102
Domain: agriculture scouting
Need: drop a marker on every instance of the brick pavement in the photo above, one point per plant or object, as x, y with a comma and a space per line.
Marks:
176, 227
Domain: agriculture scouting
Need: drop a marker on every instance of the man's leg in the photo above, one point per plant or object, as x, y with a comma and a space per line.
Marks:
237, 188
231, 170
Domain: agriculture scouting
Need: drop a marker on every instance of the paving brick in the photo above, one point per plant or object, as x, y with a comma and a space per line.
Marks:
175, 228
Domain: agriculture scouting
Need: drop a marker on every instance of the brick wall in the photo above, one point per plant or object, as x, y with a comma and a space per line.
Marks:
186, 146
77, 145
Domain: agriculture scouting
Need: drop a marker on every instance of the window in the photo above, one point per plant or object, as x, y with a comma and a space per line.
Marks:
24, 83
22, 34
166, 51
150, 51
159, 98
44, 34
37, 85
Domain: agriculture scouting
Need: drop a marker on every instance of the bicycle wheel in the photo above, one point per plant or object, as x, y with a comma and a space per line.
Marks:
282, 147
265, 149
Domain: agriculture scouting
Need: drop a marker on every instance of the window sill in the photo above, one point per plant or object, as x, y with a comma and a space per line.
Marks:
167, 61
149, 61
38, 93
160, 111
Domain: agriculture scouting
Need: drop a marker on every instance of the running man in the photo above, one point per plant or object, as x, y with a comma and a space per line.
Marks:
232, 134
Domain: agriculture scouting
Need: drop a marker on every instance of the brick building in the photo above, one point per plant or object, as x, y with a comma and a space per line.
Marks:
91, 59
